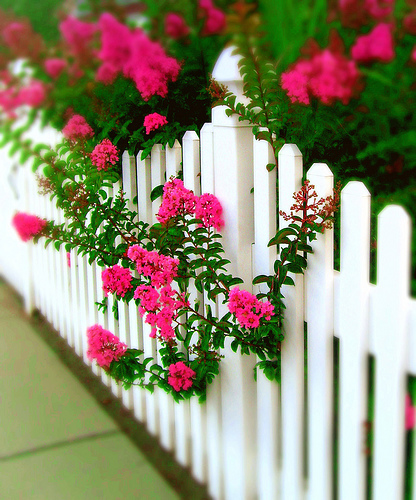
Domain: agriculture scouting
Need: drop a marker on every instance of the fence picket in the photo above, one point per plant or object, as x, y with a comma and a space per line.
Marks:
191, 177
320, 300
144, 187
353, 327
268, 393
389, 318
290, 179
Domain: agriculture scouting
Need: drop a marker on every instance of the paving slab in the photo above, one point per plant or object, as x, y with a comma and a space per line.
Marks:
106, 468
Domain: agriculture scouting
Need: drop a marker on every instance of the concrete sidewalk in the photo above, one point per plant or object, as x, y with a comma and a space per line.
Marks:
60, 441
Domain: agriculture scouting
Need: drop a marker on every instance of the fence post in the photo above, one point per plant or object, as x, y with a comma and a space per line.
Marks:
290, 180
233, 174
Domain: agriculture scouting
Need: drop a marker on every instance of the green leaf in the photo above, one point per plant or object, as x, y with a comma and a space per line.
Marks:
156, 193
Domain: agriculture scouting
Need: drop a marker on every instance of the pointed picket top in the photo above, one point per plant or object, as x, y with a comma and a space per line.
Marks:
191, 162
393, 249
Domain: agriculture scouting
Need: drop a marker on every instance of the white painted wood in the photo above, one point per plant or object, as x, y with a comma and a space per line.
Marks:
268, 393
353, 327
192, 181
320, 301
207, 158
144, 188
292, 391
157, 173
389, 317
173, 160
233, 172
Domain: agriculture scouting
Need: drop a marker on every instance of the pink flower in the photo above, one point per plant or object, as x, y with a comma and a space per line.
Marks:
32, 95
177, 200
180, 376
410, 413
215, 20
160, 308
14, 32
116, 280
28, 226
107, 73
154, 121
327, 76
54, 66
379, 9
248, 309
175, 26
68, 259
116, 41
376, 46
131, 53
77, 128
77, 34
103, 346
160, 268
209, 210
104, 155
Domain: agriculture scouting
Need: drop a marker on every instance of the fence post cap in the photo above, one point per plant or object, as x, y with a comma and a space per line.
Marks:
320, 170
226, 68
290, 150
356, 188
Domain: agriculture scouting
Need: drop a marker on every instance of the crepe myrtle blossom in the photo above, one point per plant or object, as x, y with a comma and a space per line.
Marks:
28, 226
248, 309
180, 376
103, 346
104, 155
153, 122
77, 128
116, 280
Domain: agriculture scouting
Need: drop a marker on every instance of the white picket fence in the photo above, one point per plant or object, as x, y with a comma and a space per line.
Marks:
251, 440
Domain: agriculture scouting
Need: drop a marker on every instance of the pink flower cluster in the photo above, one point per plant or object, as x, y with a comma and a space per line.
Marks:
12, 98
116, 280
54, 66
160, 308
77, 34
175, 26
77, 128
376, 46
131, 53
28, 226
215, 18
209, 210
161, 269
104, 155
177, 200
154, 121
180, 376
328, 76
248, 309
103, 346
